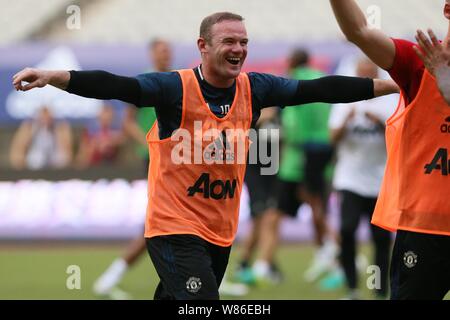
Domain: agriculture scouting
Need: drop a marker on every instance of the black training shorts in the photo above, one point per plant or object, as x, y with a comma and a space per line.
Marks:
189, 267
420, 267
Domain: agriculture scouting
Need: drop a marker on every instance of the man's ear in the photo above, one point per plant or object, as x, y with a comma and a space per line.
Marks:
201, 44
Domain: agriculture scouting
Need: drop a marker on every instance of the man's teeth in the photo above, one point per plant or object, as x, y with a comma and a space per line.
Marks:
234, 60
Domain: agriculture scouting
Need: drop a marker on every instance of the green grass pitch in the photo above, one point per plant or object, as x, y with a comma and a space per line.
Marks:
40, 273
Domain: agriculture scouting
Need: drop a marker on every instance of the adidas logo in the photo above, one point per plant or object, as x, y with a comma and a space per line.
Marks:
445, 127
219, 149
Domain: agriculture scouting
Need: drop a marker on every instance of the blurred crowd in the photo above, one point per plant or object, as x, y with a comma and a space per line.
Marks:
45, 142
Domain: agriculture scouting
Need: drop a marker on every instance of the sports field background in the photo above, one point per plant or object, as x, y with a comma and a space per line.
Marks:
39, 272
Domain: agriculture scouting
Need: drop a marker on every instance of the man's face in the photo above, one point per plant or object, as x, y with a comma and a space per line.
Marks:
227, 50
447, 9
161, 55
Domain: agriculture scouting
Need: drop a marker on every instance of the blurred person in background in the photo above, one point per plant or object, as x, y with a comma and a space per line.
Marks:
189, 227
136, 124
357, 131
260, 188
306, 153
42, 143
100, 144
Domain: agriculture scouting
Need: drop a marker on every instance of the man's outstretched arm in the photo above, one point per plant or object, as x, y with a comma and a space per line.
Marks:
342, 89
90, 84
353, 23
270, 90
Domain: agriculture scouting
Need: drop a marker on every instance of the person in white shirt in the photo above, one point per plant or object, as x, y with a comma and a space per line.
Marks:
357, 130
42, 143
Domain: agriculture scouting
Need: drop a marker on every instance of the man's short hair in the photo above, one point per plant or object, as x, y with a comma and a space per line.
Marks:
209, 21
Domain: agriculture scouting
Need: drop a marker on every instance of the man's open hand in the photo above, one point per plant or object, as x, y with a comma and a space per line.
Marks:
37, 78
431, 52
436, 58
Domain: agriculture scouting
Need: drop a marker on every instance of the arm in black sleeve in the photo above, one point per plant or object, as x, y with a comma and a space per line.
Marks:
334, 89
105, 86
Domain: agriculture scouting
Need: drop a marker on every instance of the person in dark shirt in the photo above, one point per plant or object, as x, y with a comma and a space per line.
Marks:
190, 228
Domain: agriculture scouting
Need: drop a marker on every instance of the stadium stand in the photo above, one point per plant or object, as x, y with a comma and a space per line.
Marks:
32, 16
138, 20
